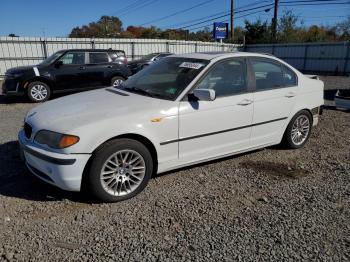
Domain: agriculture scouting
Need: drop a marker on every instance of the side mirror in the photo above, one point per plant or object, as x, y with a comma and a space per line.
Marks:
58, 63
205, 94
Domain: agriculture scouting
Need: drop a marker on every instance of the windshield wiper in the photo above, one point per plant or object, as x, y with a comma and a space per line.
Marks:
138, 91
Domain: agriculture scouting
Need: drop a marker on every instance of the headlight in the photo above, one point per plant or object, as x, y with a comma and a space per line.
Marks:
55, 140
12, 75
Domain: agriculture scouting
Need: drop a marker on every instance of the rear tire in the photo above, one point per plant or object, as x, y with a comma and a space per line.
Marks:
119, 170
298, 130
117, 81
38, 92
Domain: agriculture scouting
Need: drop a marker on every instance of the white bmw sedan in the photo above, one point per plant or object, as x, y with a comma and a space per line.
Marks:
182, 110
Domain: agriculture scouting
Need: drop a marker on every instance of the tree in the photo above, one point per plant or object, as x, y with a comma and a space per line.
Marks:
106, 26
287, 28
343, 29
256, 32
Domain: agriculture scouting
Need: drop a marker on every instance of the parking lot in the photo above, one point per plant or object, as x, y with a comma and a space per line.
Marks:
271, 204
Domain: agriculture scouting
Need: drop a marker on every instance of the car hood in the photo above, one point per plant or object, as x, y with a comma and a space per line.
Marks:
20, 69
77, 110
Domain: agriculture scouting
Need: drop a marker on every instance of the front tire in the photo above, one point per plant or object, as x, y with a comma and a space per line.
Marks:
38, 92
117, 81
119, 170
298, 130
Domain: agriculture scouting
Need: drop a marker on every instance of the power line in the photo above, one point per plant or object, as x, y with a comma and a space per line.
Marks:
195, 20
133, 4
216, 14
283, 3
241, 11
178, 12
139, 7
238, 17
314, 3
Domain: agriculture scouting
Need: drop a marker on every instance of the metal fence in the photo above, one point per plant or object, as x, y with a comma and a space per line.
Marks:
315, 58
20, 51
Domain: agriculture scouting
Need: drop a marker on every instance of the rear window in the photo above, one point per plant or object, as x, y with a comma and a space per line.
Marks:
117, 56
98, 58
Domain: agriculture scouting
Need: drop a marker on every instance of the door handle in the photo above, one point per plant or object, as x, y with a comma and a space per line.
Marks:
245, 102
290, 94
82, 67
109, 66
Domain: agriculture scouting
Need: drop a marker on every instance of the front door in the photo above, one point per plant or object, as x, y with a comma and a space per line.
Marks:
274, 99
213, 128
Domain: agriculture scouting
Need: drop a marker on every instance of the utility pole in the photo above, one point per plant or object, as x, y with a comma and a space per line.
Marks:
274, 21
231, 24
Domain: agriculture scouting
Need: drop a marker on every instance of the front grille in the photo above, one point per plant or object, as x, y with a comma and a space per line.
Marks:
27, 130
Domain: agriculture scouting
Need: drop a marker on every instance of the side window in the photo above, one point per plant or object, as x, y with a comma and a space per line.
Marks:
98, 58
268, 75
73, 58
289, 77
226, 78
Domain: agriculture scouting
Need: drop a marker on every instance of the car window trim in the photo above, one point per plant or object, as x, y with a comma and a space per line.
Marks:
281, 65
248, 78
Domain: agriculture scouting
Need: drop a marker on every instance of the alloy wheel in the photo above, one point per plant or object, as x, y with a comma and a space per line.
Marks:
300, 130
117, 82
123, 172
38, 92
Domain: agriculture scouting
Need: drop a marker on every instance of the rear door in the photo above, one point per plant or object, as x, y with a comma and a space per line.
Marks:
98, 69
70, 74
215, 128
274, 98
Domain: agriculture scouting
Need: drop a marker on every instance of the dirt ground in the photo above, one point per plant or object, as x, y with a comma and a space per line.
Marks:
267, 205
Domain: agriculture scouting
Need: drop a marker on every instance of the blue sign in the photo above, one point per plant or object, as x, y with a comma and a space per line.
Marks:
220, 31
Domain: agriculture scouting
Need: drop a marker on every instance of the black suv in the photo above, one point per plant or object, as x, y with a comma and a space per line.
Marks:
137, 65
67, 70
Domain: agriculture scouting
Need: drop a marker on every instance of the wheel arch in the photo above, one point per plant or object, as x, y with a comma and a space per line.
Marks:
303, 109
48, 82
137, 137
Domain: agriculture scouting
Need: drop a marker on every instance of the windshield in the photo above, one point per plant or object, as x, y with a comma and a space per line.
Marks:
165, 79
51, 58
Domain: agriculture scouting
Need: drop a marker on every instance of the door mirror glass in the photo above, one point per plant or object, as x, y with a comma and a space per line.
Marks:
205, 94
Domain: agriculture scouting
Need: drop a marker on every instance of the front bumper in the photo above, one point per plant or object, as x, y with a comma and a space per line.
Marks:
12, 87
62, 170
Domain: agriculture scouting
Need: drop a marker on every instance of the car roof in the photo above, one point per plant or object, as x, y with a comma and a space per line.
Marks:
93, 50
213, 55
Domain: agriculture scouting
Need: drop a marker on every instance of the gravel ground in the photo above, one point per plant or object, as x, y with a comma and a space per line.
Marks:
271, 204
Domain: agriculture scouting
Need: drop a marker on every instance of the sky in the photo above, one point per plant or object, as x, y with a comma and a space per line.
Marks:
57, 18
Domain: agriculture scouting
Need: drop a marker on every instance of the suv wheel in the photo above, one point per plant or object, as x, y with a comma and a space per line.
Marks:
119, 170
117, 81
38, 92
298, 130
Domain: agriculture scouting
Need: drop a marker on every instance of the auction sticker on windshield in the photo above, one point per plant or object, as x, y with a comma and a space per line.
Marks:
191, 65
